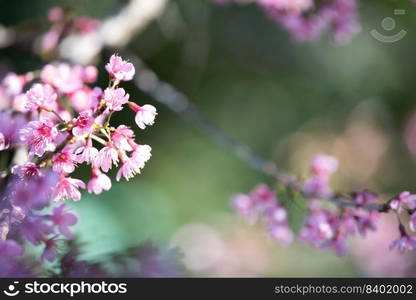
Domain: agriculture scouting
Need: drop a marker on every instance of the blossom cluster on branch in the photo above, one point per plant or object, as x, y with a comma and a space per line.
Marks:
329, 221
306, 20
51, 122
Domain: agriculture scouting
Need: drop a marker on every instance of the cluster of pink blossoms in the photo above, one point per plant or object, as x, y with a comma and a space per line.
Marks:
58, 123
330, 220
306, 20
405, 203
262, 204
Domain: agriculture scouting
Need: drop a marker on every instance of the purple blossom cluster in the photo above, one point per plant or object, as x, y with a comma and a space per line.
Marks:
405, 203
306, 20
262, 205
51, 122
329, 227
330, 220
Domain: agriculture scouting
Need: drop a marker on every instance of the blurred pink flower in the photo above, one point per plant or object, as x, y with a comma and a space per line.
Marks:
89, 74
50, 251
86, 153
64, 162
291, 6
83, 124
323, 166
121, 137
41, 96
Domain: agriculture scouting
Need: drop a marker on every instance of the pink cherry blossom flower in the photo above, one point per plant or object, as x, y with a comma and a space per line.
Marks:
119, 69
83, 125
35, 230
63, 219
281, 233
290, 6
145, 115
3, 143
89, 74
115, 98
9, 248
404, 243
405, 198
129, 168
41, 96
365, 198
27, 170
39, 136
98, 182
412, 224
106, 157
64, 162
306, 21
85, 24
86, 153
346, 222
67, 188
141, 154
317, 187
65, 78
121, 137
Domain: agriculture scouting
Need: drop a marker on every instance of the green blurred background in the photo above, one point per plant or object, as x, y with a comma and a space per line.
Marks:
286, 100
